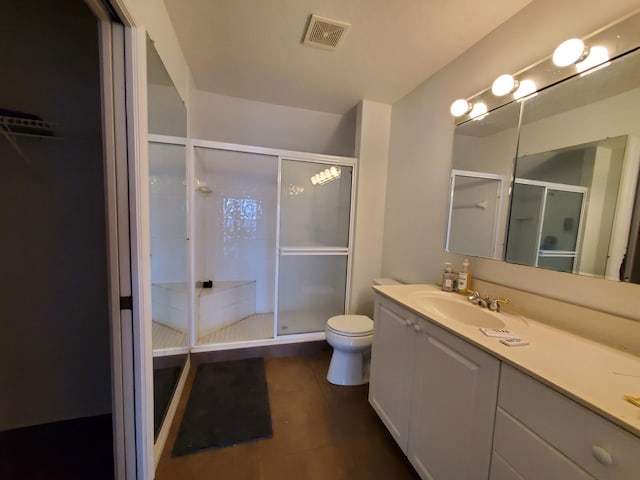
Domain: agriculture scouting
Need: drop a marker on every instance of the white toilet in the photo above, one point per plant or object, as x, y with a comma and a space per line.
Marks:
351, 337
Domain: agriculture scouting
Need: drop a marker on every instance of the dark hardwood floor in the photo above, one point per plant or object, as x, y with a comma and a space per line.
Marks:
320, 431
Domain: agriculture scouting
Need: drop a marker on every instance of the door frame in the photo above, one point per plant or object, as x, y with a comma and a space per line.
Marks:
124, 104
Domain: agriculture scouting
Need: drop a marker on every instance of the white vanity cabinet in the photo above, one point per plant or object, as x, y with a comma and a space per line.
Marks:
392, 367
540, 433
495, 413
435, 392
453, 404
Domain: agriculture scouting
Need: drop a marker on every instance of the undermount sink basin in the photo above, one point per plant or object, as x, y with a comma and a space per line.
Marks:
457, 309
463, 312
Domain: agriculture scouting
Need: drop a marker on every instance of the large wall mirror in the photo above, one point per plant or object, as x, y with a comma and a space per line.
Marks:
483, 162
569, 157
168, 232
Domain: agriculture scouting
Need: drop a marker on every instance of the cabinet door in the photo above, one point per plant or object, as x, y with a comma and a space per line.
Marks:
530, 455
391, 367
453, 403
501, 470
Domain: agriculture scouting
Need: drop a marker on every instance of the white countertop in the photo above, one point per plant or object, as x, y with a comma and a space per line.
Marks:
594, 375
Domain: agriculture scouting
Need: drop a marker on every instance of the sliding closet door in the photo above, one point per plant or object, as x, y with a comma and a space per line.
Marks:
314, 244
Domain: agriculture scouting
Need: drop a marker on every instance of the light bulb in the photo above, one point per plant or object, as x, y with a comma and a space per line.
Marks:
503, 85
478, 111
314, 180
460, 107
334, 171
597, 55
569, 52
527, 87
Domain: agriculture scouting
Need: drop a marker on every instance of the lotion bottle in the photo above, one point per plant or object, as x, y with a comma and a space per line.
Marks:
447, 278
464, 278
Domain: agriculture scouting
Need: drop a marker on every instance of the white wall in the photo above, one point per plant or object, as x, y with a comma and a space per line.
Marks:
54, 346
152, 15
247, 122
611, 117
166, 112
372, 150
421, 144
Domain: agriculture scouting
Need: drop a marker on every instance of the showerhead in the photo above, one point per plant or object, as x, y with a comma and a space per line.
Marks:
202, 187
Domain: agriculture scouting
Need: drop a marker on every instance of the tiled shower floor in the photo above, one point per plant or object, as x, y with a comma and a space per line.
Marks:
260, 327
254, 327
166, 337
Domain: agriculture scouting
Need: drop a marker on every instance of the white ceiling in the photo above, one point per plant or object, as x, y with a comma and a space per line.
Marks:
253, 48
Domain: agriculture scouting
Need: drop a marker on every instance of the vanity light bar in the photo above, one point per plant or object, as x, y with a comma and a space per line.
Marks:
478, 111
504, 85
609, 42
598, 56
527, 87
460, 107
569, 52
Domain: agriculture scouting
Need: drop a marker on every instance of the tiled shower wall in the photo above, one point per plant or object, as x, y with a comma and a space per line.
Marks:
170, 304
236, 222
225, 303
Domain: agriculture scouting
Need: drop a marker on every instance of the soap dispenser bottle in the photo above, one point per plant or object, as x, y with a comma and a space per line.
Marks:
464, 277
447, 278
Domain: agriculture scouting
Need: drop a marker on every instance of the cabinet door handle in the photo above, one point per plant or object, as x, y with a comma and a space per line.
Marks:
417, 328
601, 455
408, 322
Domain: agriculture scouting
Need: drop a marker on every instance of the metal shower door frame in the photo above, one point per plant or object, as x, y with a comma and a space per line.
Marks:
547, 186
329, 251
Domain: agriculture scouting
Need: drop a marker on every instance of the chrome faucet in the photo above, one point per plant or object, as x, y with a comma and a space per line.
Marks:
494, 305
477, 299
486, 302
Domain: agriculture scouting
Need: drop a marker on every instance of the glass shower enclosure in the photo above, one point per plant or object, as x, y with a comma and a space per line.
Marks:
546, 224
272, 244
235, 219
313, 253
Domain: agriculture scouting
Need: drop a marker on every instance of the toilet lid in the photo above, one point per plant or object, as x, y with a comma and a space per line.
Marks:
351, 325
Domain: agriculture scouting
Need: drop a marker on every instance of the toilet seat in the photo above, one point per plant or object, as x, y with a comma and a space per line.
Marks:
350, 325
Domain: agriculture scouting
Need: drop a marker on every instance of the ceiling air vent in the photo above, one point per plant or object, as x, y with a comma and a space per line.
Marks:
325, 32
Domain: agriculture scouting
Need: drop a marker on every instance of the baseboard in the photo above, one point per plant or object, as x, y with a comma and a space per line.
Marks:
282, 350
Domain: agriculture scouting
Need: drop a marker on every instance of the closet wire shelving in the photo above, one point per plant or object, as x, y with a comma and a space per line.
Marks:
14, 126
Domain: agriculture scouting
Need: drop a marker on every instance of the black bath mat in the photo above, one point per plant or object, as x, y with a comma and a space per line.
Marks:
229, 404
